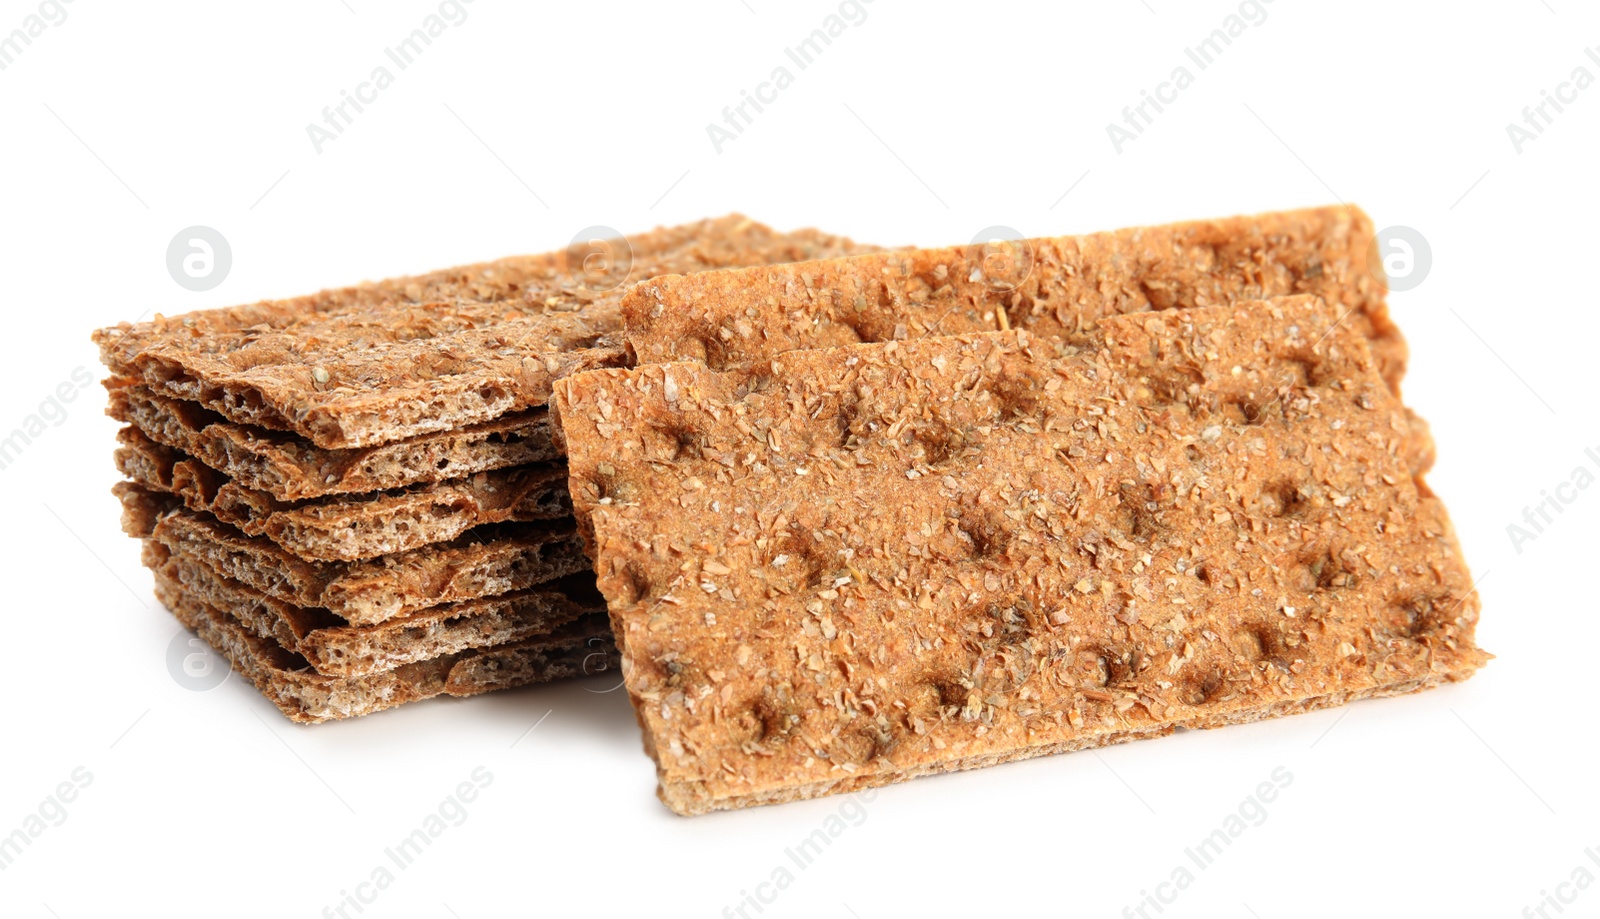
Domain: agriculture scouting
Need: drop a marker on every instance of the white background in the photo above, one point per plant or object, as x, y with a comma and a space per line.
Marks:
923, 124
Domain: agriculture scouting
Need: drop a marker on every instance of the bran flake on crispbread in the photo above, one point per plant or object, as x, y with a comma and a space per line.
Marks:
406, 357
350, 527
845, 567
487, 562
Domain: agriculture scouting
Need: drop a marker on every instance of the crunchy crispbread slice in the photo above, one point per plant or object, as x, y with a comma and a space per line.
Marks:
1058, 287
350, 527
487, 562
580, 648
290, 468
335, 648
384, 362
846, 567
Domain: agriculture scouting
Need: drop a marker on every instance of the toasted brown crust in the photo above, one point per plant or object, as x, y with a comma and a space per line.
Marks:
846, 567
290, 468
487, 562
579, 648
1063, 287
1059, 287
349, 527
384, 362
334, 647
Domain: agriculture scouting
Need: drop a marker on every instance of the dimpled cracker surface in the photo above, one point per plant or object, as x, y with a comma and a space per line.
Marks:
291, 468
486, 562
383, 362
848, 567
349, 527
336, 648
579, 648
1056, 286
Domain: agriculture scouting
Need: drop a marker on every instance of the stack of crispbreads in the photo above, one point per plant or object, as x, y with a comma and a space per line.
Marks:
884, 516
355, 496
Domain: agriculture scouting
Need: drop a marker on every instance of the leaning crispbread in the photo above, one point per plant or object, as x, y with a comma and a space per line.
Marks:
1060, 287
846, 567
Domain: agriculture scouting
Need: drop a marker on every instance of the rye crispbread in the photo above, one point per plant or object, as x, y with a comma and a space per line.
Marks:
487, 562
291, 468
1059, 287
334, 647
350, 527
847, 567
582, 647
383, 362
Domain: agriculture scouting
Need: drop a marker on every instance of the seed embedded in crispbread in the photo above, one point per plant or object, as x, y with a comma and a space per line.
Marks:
388, 361
487, 562
291, 468
846, 567
350, 527
1058, 287
579, 648
336, 648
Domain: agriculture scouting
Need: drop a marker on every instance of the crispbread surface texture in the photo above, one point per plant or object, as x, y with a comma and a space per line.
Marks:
334, 647
1059, 287
290, 468
849, 566
388, 361
579, 648
487, 562
350, 527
